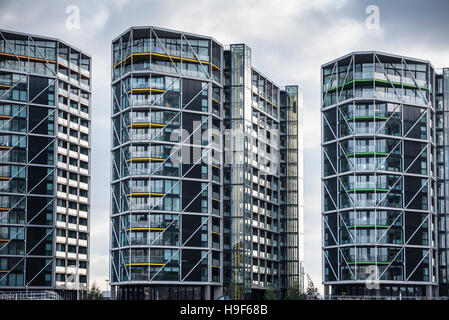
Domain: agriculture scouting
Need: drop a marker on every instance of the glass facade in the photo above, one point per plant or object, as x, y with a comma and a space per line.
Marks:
262, 182
442, 173
166, 165
44, 165
379, 176
200, 191
291, 185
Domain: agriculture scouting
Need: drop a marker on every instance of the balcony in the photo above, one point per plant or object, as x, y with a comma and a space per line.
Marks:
63, 62
374, 76
85, 72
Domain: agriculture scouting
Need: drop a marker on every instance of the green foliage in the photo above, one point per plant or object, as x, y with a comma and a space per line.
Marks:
233, 290
270, 294
228, 290
94, 293
295, 293
312, 291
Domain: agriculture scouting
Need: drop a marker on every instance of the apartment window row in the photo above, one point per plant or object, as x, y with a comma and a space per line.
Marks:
74, 57
71, 205
265, 87
73, 162
71, 248
73, 90
73, 104
73, 176
265, 251
73, 133
73, 118
71, 219
73, 75
32, 48
62, 278
71, 234
73, 147
265, 222
72, 190
70, 263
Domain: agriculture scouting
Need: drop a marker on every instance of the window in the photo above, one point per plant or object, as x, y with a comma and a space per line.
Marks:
61, 217
84, 137
62, 129
60, 262
60, 277
62, 173
84, 109
73, 162
73, 133
62, 144
73, 191
61, 203
72, 205
72, 219
62, 158
73, 147
84, 151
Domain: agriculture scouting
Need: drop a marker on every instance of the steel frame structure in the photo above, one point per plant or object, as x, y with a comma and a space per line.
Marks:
354, 89
152, 53
122, 270
263, 188
35, 269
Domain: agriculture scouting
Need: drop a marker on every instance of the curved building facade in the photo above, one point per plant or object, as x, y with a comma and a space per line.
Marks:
44, 164
166, 226
379, 176
206, 171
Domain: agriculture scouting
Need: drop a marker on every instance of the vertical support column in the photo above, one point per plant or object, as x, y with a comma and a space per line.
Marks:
207, 293
326, 291
429, 292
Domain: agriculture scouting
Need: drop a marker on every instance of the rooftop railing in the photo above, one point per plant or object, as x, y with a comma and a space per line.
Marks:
33, 295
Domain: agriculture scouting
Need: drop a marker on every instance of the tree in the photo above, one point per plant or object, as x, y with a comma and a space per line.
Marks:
94, 293
295, 293
312, 291
270, 294
228, 290
233, 290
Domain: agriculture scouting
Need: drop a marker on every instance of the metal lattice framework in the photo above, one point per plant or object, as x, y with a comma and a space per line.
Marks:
378, 154
153, 70
30, 69
132, 183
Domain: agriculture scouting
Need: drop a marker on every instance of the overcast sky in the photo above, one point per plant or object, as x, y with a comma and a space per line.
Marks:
290, 40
